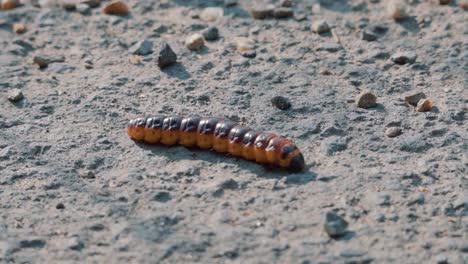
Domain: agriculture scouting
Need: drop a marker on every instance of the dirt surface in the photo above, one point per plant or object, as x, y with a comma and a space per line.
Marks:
75, 188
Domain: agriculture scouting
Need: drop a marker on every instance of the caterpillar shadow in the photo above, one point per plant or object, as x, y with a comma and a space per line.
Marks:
263, 171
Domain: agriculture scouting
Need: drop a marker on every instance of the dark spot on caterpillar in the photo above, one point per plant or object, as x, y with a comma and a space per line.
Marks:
249, 138
190, 124
221, 135
262, 140
171, 123
207, 125
287, 149
140, 122
222, 129
154, 122
237, 134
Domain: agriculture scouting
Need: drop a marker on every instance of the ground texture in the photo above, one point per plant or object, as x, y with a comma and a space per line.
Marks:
75, 188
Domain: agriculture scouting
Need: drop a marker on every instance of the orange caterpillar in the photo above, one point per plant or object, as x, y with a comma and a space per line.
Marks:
223, 136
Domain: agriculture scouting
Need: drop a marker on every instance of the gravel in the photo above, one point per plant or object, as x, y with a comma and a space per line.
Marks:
404, 57
75, 189
166, 55
335, 225
143, 47
211, 33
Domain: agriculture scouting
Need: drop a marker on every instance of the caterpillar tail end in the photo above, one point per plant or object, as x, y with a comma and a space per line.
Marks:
297, 164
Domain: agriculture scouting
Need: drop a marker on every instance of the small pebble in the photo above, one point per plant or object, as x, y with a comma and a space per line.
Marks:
283, 12
19, 28
335, 225
15, 95
262, 11
195, 42
393, 132
444, 2
396, 9
211, 33
166, 56
368, 35
9, 4
116, 8
211, 14
60, 206
44, 60
281, 102
91, 3
415, 98
463, 4
134, 59
244, 44
320, 26
401, 58
83, 8
424, 105
68, 5
286, 3
329, 46
366, 100
143, 47
249, 54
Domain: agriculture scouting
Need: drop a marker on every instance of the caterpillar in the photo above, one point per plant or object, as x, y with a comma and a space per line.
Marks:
223, 136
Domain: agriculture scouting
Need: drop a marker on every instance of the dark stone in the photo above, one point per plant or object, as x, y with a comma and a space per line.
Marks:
166, 56
281, 102
401, 58
335, 225
211, 33
368, 35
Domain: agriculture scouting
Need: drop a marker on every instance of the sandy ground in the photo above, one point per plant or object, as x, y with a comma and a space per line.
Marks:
74, 188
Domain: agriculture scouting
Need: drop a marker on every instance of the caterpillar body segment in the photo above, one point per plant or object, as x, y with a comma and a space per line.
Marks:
223, 136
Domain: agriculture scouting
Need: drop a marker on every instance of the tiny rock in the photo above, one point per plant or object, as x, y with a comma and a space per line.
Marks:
262, 11
44, 60
320, 26
286, 3
424, 105
329, 46
83, 8
463, 4
15, 95
9, 4
195, 42
91, 3
393, 132
281, 102
244, 44
366, 100
415, 98
444, 2
143, 47
116, 8
134, 59
368, 35
166, 56
396, 9
211, 33
335, 225
19, 28
68, 4
401, 58
211, 14
283, 12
